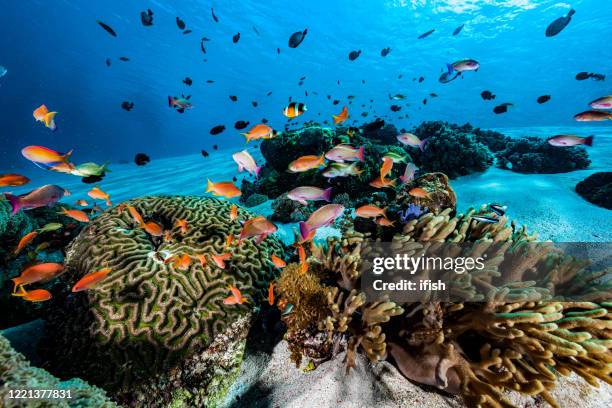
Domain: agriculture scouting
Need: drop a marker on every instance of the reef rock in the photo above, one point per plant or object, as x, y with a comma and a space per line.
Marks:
535, 155
597, 189
147, 316
440, 194
450, 149
16, 373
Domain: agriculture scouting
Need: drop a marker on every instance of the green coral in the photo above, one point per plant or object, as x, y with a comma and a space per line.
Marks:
16, 373
148, 315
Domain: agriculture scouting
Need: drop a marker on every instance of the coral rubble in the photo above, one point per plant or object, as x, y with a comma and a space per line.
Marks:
597, 189
148, 316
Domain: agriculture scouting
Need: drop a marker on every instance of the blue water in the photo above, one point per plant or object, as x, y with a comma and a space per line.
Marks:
55, 54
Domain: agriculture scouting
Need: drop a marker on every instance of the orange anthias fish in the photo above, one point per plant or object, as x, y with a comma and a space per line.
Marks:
135, 215
225, 189
24, 241
370, 211
40, 154
279, 263
302, 256
386, 167
153, 228
183, 225
229, 240
98, 194
13, 180
182, 262
202, 259
36, 295
341, 117
233, 212
260, 131
378, 183
235, 297
219, 260
271, 294
42, 114
384, 222
90, 280
77, 215
306, 163
42, 272
258, 227
419, 193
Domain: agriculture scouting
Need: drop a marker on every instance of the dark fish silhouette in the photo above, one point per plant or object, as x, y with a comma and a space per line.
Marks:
107, 28
255, 29
241, 124
210, 81
269, 93
543, 99
234, 178
278, 50
146, 17
581, 76
559, 24
217, 129
236, 38
141, 159
187, 81
91, 179
234, 98
421, 79
108, 62
427, 34
433, 95
214, 16
487, 95
503, 108
385, 51
254, 103
264, 120
458, 29
335, 102
296, 38
215, 147
353, 55
180, 23
124, 59
425, 101
395, 108
187, 32
127, 105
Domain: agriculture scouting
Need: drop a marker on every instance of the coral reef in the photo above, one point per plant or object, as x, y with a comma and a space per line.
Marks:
597, 189
312, 139
505, 333
16, 373
148, 315
535, 155
254, 200
12, 229
287, 210
451, 149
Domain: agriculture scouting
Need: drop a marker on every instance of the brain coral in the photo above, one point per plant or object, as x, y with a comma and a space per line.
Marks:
148, 315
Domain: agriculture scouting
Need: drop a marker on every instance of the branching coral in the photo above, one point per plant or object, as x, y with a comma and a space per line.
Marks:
546, 315
148, 314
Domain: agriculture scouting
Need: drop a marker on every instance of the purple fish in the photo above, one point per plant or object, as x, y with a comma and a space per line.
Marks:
44, 196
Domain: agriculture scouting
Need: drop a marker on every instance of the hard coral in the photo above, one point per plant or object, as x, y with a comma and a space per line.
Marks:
147, 315
535, 155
